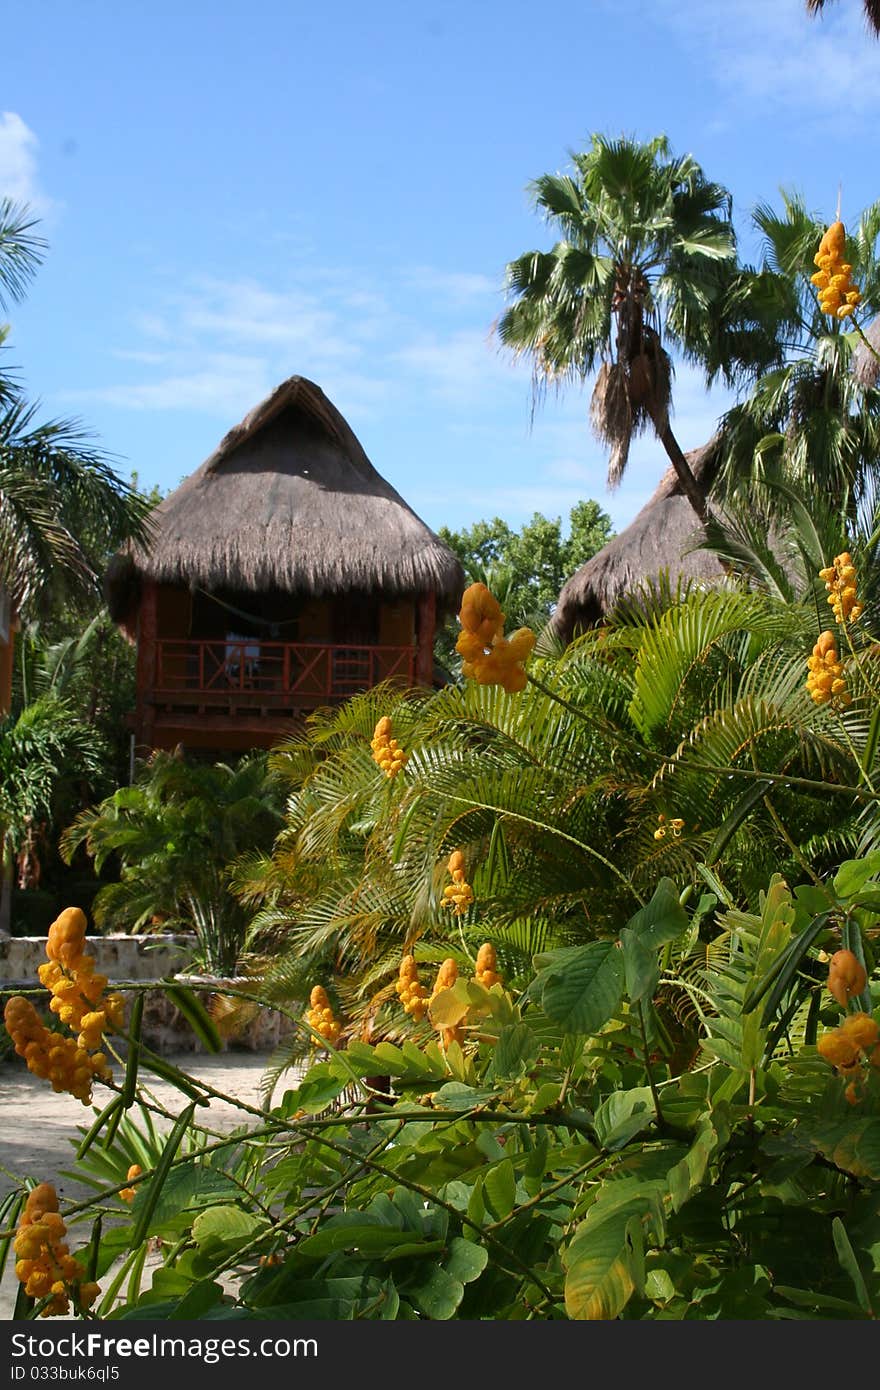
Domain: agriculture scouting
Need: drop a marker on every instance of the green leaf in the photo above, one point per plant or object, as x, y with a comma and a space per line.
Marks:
204, 1295
222, 1229
466, 1260
599, 1278
849, 1264
582, 986
660, 920
439, 1296
622, 1115
641, 967
853, 874
150, 1196
499, 1189
516, 1048
196, 1015
455, 1095
364, 1238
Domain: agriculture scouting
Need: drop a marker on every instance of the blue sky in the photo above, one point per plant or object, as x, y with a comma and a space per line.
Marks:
236, 192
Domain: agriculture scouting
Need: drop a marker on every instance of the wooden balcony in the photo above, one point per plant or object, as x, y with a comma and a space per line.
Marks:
254, 676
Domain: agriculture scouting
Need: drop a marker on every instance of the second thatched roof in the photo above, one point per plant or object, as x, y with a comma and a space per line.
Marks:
658, 539
290, 501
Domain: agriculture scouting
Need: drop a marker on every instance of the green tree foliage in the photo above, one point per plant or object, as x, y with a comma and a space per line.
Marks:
535, 561
525, 569
50, 760
175, 832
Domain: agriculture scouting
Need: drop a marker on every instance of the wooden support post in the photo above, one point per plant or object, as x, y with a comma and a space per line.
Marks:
146, 665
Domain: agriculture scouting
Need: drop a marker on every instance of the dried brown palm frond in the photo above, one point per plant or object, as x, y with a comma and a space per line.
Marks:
611, 416
866, 366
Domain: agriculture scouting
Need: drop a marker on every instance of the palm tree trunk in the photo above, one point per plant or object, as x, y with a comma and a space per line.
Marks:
689, 485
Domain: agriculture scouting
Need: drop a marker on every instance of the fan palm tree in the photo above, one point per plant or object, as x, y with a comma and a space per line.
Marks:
870, 7
646, 263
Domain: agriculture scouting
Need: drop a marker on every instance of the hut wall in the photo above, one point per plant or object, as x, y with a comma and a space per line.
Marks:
397, 624
173, 611
314, 620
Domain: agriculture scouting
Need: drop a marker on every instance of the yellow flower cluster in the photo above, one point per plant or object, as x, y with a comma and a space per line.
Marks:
825, 680
838, 295
69, 975
45, 1265
488, 657
386, 750
844, 1047
446, 977
486, 972
128, 1194
49, 1055
676, 826
412, 994
847, 977
320, 1015
458, 894
840, 581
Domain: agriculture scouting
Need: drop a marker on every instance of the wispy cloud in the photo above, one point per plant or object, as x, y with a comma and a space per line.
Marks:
773, 56
18, 163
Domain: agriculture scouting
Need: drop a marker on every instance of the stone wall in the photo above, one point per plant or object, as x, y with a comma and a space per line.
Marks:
126, 958
117, 955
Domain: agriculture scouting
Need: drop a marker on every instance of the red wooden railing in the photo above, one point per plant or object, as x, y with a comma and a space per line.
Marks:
277, 673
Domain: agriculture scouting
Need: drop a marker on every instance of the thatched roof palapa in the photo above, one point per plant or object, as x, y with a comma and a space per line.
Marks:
658, 539
290, 501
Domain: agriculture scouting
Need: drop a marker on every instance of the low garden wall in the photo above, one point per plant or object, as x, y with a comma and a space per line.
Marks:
121, 957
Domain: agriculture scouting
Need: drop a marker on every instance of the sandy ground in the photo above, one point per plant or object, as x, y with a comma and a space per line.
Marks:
37, 1126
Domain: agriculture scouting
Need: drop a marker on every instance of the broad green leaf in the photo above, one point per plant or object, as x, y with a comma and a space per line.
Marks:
439, 1296
466, 1260
690, 1172
622, 1115
599, 1277
499, 1189
641, 967
660, 920
584, 990
853, 874
224, 1228
455, 1095
516, 1048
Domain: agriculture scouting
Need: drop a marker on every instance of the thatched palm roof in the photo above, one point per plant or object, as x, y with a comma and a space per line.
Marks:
290, 501
657, 539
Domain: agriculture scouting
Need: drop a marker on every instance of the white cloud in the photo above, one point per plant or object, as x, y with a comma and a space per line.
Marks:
452, 287
771, 55
18, 163
461, 367
222, 385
